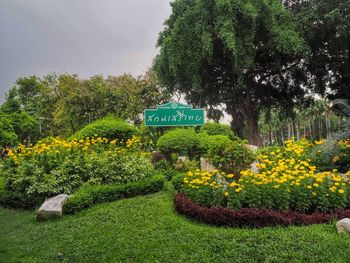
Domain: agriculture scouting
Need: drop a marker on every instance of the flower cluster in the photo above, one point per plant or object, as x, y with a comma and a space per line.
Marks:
60, 148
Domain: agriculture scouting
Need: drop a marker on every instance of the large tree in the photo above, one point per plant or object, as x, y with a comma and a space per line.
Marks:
240, 53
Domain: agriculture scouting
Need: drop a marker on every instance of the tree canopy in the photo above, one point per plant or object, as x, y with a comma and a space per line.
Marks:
325, 25
242, 54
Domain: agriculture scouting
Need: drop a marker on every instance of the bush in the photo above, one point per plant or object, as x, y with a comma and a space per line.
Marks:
57, 166
89, 195
181, 142
212, 128
177, 181
227, 155
109, 128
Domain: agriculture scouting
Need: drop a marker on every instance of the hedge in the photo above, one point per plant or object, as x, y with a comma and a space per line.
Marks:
90, 195
251, 217
11, 200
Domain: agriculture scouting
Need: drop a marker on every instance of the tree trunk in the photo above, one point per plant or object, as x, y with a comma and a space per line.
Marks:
237, 123
251, 115
289, 131
252, 128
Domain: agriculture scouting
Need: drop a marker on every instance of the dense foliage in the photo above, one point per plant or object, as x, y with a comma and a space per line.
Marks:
63, 104
57, 166
8, 137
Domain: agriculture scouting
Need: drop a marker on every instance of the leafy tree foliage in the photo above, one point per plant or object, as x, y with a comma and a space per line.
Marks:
63, 104
239, 53
8, 136
325, 25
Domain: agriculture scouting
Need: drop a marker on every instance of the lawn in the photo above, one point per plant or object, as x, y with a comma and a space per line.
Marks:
146, 229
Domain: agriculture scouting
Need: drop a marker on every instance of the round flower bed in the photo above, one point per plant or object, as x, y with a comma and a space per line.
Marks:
287, 189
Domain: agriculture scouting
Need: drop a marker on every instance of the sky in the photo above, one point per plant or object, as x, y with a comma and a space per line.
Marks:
85, 37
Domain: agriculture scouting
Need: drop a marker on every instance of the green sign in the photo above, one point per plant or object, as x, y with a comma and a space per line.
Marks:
174, 114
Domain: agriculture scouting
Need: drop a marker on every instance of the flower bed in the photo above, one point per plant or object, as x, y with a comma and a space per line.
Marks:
287, 189
251, 217
287, 180
54, 166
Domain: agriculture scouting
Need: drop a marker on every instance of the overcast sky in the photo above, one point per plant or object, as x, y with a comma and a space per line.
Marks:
86, 37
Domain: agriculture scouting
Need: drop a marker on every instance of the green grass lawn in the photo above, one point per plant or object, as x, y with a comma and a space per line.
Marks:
146, 229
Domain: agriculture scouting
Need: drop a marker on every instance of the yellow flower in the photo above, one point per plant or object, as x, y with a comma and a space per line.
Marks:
341, 191
227, 194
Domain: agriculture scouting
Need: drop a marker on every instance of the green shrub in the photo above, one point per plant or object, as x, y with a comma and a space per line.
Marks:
213, 128
181, 142
177, 181
109, 128
227, 155
89, 195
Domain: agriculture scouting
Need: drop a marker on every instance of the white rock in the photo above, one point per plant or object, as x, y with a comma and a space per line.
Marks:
343, 226
52, 207
254, 168
254, 148
206, 166
182, 159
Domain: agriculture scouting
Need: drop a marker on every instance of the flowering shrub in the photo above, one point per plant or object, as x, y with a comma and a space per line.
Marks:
287, 180
58, 166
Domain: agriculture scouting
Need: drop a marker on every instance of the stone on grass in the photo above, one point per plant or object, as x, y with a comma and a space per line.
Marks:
52, 207
343, 226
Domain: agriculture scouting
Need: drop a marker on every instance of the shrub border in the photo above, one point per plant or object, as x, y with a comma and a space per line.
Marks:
91, 195
251, 217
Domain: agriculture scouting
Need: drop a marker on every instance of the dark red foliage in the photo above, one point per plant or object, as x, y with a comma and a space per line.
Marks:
250, 217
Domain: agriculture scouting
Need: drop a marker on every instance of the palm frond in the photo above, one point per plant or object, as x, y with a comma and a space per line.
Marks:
341, 106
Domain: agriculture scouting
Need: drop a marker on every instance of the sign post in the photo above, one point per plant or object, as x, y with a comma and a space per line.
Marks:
174, 114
